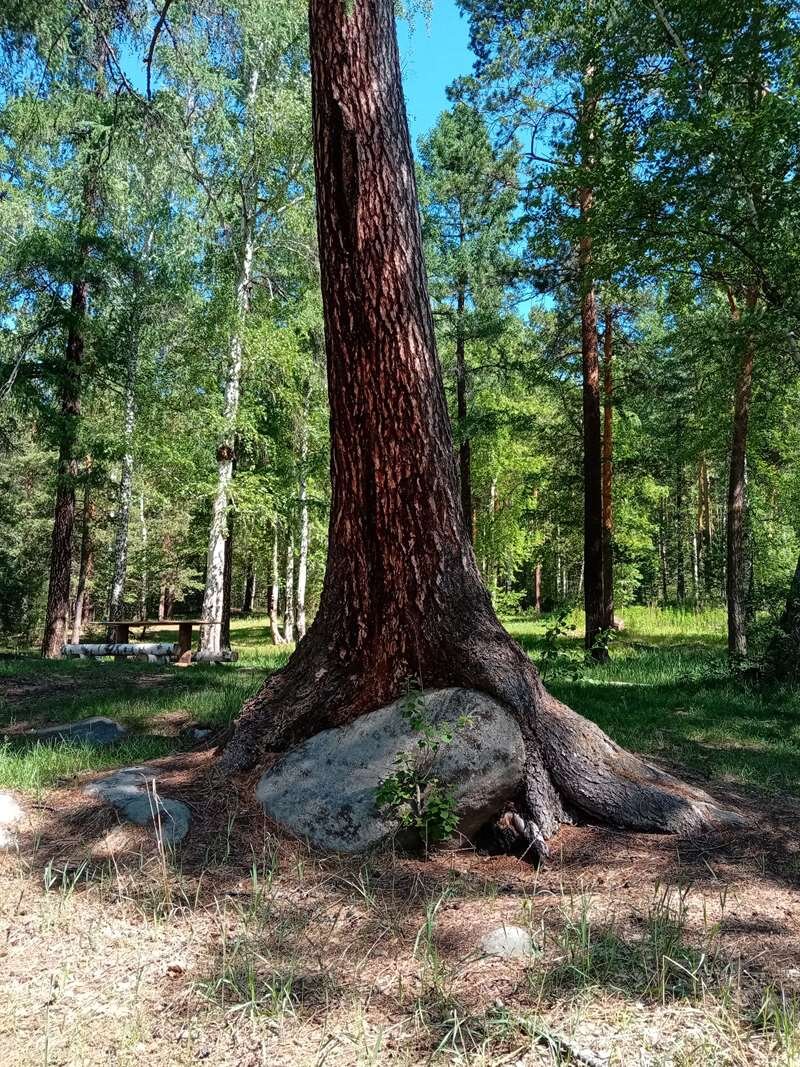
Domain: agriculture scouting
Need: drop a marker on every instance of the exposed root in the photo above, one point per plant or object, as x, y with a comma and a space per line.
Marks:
575, 772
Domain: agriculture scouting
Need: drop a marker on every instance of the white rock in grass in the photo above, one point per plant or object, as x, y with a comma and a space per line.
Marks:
510, 942
10, 811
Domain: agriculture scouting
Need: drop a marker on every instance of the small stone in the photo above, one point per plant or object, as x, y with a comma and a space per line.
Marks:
98, 730
8, 839
173, 816
122, 785
10, 811
510, 942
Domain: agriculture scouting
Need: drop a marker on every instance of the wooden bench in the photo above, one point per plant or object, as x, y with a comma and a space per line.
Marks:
123, 627
154, 652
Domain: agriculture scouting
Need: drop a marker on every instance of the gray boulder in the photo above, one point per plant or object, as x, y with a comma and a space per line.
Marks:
98, 730
324, 789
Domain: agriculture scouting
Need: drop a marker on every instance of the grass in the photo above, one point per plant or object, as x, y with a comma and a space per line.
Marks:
666, 692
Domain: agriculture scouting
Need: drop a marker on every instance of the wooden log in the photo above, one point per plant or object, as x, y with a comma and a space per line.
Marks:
158, 649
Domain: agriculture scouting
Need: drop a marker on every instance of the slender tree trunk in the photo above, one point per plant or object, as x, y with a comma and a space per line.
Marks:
213, 596
57, 616
117, 595
608, 471
288, 608
249, 596
302, 561
227, 582
696, 568
143, 590
592, 446
537, 587
86, 565
736, 567
210, 639
402, 595
274, 592
464, 447
680, 563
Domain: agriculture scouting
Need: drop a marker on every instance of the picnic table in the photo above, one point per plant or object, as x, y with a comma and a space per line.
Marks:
122, 628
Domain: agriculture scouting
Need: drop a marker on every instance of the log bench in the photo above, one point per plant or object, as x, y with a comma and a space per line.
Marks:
155, 652
121, 629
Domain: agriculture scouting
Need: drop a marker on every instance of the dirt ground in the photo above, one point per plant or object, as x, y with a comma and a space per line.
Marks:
245, 948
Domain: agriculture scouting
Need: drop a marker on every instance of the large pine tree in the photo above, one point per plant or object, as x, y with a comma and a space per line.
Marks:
402, 595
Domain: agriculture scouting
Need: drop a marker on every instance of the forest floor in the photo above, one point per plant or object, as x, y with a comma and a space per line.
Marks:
242, 947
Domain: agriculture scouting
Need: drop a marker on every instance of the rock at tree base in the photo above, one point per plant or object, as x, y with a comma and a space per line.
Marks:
324, 789
98, 730
510, 942
130, 791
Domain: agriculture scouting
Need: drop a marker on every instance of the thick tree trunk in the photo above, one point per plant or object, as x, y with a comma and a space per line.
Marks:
288, 606
403, 597
56, 619
86, 565
736, 566
608, 471
274, 591
464, 447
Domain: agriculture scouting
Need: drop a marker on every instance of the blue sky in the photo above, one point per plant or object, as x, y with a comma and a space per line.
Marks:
433, 55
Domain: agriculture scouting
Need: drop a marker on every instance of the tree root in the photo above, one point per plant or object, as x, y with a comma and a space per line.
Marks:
574, 771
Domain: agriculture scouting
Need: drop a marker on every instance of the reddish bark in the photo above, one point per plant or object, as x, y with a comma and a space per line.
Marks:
608, 471
402, 595
56, 619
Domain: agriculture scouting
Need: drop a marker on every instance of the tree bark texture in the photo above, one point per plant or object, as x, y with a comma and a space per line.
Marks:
592, 449
57, 616
608, 471
227, 584
464, 446
403, 597
85, 566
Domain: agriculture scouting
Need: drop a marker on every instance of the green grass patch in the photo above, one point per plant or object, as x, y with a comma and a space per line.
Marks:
666, 692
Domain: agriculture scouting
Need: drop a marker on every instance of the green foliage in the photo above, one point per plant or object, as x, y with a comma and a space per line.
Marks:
413, 795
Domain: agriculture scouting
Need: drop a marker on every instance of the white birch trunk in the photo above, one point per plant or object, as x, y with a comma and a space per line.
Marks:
210, 636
